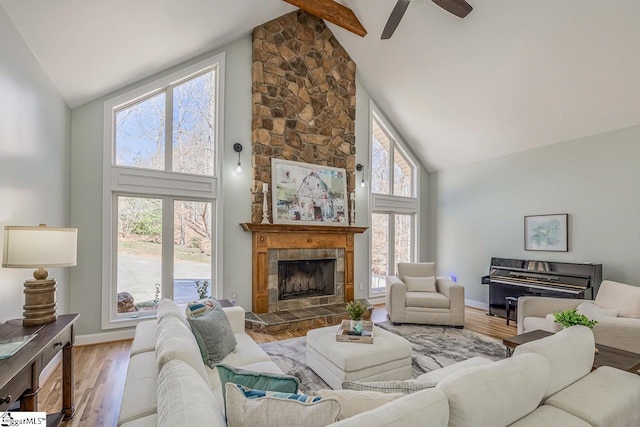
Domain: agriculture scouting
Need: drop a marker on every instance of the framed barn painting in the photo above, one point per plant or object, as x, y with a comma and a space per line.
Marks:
308, 194
546, 233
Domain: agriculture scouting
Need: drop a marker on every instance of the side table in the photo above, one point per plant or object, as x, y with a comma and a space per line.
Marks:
19, 374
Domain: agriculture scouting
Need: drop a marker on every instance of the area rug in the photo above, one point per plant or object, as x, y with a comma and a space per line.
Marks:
433, 348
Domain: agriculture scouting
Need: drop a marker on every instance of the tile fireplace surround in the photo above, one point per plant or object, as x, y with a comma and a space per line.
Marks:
315, 241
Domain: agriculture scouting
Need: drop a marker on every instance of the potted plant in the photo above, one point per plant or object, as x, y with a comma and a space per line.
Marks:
355, 310
568, 318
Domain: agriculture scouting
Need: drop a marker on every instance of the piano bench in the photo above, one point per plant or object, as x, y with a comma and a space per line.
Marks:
511, 302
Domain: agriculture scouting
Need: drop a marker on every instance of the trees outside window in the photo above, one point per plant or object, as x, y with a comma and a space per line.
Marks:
161, 187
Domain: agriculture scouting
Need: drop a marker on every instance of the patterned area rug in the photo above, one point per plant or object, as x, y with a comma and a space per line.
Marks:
433, 348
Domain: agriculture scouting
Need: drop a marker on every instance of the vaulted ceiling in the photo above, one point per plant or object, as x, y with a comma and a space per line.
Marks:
511, 76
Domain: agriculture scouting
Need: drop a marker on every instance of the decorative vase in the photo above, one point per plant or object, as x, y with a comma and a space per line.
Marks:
356, 327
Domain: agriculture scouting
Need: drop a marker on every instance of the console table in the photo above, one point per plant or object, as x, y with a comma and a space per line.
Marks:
19, 374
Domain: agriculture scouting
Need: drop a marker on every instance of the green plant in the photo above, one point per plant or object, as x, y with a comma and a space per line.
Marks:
569, 318
201, 287
355, 309
156, 299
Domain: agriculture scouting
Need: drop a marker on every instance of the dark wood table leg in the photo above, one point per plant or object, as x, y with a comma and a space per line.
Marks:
29, 399
68, 402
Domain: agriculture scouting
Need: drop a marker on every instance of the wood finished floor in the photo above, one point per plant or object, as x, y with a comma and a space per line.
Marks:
100, 370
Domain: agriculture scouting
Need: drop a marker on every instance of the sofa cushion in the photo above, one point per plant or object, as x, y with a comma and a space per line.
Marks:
354, 402
148, 421
426, 300
245, 352
174, 340
619, 296
404, 387
213, 334
139, 396
256, 380
605, 397
277, 412
549, 416
427, 407
496, 394
167, 307
437, 375
420, 284
184, 399
144, 338
570, 352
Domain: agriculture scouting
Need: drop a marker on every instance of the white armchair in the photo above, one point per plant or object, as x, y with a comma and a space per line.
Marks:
616, 308
418, 296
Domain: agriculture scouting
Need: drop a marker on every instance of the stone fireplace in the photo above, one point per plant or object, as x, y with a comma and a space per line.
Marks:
275, 243
304, 110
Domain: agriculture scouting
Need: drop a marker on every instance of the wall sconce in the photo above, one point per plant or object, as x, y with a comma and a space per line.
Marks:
237, 147
360, 168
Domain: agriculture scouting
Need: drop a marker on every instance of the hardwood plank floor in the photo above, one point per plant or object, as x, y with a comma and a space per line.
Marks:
100, 370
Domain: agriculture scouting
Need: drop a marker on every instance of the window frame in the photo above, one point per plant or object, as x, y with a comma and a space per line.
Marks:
164, 184
390, 204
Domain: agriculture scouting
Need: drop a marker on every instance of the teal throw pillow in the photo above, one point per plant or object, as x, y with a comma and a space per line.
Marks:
214, 335
256, 380
250, 393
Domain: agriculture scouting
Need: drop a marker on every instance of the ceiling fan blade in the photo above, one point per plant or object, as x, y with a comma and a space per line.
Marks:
460, 8
394, 18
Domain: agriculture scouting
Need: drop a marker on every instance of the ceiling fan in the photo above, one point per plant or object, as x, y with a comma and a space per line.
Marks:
459, 8
344, 17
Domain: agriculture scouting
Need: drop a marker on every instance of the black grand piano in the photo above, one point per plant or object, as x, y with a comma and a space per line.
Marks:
518, 277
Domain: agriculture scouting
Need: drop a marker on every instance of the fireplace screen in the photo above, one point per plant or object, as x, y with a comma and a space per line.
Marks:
306, 278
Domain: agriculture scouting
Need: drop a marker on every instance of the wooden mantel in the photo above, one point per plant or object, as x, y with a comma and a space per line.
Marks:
294, 236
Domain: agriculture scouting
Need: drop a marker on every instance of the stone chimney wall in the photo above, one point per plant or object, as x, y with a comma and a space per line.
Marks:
304, 103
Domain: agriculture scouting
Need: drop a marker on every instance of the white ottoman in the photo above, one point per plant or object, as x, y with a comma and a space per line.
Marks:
388, 358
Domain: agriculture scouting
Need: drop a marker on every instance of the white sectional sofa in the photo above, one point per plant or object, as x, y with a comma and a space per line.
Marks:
547, 382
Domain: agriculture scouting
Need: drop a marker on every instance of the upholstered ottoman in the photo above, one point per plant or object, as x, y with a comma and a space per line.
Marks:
388, 358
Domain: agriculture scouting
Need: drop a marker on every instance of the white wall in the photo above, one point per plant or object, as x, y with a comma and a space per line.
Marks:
34, 158
478, 210
86, 189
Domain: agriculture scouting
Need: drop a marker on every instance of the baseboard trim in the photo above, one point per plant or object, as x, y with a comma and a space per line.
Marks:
103, 337
476, 304
376, 300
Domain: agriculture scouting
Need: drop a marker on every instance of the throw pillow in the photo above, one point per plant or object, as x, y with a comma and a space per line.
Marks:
214, 335
200, 307
405, 387
256, 380
269, 411
593, 311
355, 402
420, 284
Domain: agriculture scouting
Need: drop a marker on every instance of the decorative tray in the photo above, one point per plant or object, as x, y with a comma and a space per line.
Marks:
345, 334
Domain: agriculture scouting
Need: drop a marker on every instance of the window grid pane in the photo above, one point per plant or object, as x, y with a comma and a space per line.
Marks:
379, 251
403, 239
380, 159
402, 175
140, 134
192, 250
193, 125
139, 254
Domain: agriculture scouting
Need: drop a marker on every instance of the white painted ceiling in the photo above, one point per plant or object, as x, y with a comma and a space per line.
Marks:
511, 76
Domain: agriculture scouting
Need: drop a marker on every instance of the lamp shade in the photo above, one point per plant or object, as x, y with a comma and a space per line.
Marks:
33, 247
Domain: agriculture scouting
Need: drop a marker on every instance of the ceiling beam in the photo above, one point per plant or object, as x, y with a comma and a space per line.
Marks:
333, 12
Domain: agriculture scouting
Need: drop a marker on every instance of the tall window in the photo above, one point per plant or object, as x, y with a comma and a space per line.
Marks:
394, 207
161, 186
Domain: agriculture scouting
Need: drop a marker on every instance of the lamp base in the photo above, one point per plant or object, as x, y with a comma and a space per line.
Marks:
39, 302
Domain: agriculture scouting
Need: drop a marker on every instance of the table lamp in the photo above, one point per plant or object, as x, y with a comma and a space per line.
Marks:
39, 247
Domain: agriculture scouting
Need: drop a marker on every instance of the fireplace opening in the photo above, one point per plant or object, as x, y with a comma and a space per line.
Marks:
306, 278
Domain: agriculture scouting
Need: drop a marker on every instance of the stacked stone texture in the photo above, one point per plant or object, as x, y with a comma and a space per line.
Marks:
304, 103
